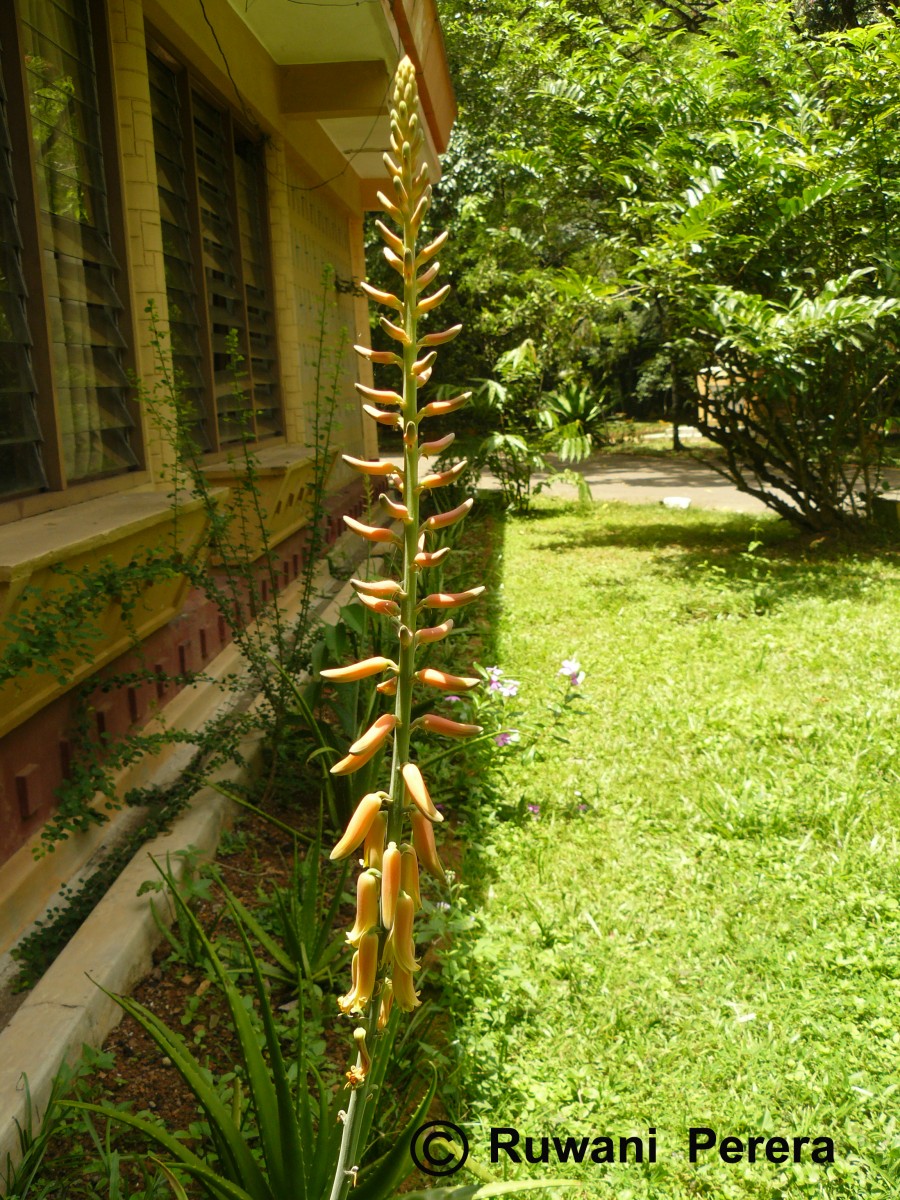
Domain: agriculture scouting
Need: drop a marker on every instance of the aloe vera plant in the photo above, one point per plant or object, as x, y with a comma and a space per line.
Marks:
395, 826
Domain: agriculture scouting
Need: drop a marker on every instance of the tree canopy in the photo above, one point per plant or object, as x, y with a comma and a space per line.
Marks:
689, 205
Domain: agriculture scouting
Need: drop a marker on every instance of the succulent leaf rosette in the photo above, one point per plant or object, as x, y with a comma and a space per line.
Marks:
394, 827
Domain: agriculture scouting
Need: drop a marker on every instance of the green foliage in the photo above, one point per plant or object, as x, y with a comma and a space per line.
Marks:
574, 420
654, 170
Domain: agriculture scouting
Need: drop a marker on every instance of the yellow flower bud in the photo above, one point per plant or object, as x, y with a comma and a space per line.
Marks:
405, 994
367, 888
387, 1001
426, 850
390, 884
400, 948
373, 846
409, 874
359, 825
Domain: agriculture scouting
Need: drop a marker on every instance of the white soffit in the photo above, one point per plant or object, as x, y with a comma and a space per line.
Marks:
298, 31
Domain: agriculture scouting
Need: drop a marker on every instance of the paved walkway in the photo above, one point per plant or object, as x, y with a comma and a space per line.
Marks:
651, 480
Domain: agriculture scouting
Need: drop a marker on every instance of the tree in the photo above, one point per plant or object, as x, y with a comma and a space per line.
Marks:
727, 190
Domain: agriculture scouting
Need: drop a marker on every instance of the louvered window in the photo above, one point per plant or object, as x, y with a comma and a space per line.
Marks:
212, 199
81, 275
21, 468
175, 189
248, 165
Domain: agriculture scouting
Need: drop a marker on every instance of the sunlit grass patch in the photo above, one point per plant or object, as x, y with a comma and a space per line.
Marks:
696, 921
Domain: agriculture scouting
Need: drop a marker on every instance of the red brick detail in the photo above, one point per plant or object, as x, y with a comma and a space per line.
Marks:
188, 642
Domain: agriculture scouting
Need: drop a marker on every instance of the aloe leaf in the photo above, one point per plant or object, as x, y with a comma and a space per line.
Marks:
261, 1087
290, 1163
230, 1145
267, 942
185, 1157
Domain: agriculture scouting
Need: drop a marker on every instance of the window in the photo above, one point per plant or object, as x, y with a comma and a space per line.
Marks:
62, 323
215, 237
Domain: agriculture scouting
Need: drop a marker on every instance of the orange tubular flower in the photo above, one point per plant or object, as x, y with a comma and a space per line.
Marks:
431, 249
441, 339
405, 994
379, 395
385, 608
444, 519
384, 588
387, 688
443, 725
370, 468
380, 297
447, 683
394, 331
442, 478
373, 846
383, 418
424, 559
366, 907
398, 511
386, 358
430, 449
399, 947
409, 875
418, 792
359, 825
372, 533
433, 301
390, 884
363, 978
375, 735
435, 633
426, 850
440, 408
360, 670
451, 599
354, 762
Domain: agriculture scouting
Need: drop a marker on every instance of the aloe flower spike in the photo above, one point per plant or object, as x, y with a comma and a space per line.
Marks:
374, 989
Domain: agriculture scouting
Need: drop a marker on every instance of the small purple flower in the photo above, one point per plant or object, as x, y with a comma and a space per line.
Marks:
509, 689
534, 809
572, 668
453, 699
507, 736
582, 808
494, 674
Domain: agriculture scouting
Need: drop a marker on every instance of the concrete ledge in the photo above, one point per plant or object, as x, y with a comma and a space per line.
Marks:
113, 948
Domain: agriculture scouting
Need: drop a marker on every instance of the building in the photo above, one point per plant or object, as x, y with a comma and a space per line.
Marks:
208, 158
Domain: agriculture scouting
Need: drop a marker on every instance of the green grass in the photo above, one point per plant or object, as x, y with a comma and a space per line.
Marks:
714, 938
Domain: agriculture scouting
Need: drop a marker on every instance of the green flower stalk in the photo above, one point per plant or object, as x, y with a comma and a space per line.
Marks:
395, 826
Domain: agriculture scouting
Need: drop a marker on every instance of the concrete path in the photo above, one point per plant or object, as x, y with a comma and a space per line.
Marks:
651, 480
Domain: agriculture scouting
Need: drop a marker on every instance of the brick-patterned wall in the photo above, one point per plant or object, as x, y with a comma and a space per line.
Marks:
36, 756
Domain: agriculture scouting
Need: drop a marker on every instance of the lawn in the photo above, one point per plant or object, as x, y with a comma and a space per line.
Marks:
689, 908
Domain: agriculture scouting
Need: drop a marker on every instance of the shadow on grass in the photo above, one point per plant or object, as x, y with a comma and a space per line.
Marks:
735, 551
